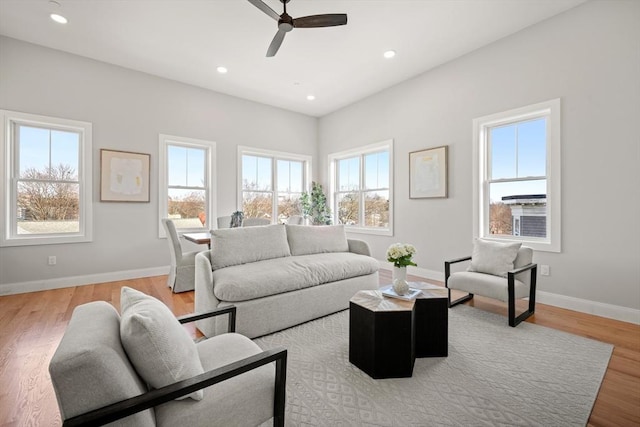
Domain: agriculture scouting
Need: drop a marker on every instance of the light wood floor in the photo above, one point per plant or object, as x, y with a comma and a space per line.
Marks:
31, 326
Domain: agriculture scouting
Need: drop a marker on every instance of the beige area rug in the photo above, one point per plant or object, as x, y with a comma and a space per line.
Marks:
495, 375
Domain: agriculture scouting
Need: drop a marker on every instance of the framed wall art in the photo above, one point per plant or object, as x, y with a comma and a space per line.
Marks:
428, 173
124, 176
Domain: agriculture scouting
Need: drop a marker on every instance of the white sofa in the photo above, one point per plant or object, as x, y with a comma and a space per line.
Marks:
279, 276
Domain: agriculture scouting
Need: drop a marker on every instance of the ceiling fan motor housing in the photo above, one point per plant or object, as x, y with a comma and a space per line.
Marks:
285, 23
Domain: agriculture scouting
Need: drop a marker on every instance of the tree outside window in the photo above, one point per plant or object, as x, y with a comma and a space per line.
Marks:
47, 188
272, 184
187, 192
361, 188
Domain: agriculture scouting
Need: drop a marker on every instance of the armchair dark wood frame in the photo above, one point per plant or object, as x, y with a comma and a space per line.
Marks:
124, 408
511, 277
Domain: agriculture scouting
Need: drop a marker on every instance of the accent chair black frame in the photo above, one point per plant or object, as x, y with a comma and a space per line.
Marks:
124, 408
511, 303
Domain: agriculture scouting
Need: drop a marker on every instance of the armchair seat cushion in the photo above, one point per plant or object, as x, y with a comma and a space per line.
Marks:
243, 400
486, 285
280, 275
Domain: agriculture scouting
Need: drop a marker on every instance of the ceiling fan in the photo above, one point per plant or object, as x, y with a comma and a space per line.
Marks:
286, 23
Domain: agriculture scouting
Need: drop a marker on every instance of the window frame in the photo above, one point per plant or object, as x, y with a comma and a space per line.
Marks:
481, 166
333, 158
165, 141
274, 156
9, 178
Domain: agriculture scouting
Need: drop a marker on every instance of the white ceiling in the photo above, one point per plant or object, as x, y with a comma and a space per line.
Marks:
185, 40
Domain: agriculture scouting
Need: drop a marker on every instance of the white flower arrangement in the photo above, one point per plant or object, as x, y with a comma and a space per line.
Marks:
400, 254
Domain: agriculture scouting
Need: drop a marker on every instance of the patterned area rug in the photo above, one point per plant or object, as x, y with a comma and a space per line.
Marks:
495, 375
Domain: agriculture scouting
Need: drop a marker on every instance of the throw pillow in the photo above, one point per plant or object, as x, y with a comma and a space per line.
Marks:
316, 239
493, 257
234, 246
158, 346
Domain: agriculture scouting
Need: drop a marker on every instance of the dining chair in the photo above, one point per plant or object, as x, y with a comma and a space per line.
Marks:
253, 222
224, 221
182, 274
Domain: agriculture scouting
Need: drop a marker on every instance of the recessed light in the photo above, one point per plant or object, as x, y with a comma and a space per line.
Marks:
390, 54
311, 97
58, 18
222, 70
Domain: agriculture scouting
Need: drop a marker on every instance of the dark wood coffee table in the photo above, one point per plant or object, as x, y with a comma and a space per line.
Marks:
387, 334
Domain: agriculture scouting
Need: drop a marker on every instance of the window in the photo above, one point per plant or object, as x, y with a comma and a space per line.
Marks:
46, 180
517, 176
271, 183
361, 188
187, 182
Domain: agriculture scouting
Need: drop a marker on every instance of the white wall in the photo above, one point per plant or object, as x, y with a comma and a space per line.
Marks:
590, 58
128, 110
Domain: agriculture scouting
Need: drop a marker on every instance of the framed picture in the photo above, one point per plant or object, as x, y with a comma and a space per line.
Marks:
124, 176
428, 173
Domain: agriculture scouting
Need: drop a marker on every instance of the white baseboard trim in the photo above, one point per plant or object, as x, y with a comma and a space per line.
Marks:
610, 311
596, 308
67, 282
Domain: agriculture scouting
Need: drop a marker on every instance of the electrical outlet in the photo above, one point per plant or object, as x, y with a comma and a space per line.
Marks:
544, 270
52, 260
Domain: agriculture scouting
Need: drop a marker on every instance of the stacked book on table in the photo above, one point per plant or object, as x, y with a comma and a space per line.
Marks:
415, 290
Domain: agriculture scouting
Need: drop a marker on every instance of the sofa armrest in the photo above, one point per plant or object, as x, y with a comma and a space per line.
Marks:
124, 408
359, 247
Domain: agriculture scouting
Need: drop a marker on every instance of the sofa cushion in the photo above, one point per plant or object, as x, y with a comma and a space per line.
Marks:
159, 347
90, 368
306, 240
234, 246
270, 277
495, 258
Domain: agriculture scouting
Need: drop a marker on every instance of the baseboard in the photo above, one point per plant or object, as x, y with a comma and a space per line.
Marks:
610, 311
67, 282
596, 308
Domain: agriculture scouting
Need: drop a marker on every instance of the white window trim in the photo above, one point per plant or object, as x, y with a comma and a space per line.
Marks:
85, 178
359, 151
278, 155
550, 109
163, 196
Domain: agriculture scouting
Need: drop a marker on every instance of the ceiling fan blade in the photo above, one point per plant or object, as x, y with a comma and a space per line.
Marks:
275, 43
314, 21
266, 9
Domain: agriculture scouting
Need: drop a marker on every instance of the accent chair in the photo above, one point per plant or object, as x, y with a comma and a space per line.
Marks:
503, 271
143, 369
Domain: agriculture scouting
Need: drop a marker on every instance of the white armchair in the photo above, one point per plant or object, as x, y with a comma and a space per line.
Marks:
97, 382
497, 270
